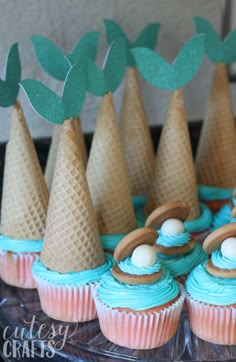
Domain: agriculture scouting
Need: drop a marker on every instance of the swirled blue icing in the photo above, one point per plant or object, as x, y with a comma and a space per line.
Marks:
139, 201
20, 246
128, 267
182, 264
72, 278
109, 242
222, 262
137, 297
207, 288
202, 223
211, 193
223, 216
176, 240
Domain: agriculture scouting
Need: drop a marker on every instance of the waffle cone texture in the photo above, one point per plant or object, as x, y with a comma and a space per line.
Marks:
71, 241
25, 194
136, 136
174, 175
107, 175
215, 159
52, 154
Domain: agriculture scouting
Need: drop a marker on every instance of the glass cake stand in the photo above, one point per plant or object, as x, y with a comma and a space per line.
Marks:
22, 320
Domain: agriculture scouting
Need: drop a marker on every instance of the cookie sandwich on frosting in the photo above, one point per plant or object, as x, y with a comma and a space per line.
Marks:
139, 299
176, 249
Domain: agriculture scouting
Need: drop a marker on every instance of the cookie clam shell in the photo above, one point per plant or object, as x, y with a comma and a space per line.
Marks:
171, 210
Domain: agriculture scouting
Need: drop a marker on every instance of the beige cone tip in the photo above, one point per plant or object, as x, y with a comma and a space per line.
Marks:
174, 175
215, 159
107, 175
25, 194
71, 241
136, 136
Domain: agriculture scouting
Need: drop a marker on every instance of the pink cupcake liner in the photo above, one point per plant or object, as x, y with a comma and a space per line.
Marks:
67, 303
15, 268
139, 330
212, 323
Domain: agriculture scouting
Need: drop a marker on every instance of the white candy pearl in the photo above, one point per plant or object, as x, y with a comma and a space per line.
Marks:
172, 227
143, 256
228, 248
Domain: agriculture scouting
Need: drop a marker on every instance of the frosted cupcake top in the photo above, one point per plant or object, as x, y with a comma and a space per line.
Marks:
20, 246
211, 193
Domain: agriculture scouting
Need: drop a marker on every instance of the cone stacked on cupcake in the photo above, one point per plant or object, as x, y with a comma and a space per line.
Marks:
135, 133
107, 175
72, 260
215, 164
174, 175
24, 194
24, 204
50, 166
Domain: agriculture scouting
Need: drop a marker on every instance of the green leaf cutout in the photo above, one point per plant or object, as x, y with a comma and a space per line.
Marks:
87, 46
161, 74
147, 38
49, 105
9, 88
50, 57
96, 79
115, 63
215, 48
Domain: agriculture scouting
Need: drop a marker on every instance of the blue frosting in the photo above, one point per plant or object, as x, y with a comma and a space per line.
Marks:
72, 278
109, 242
128, 267
211, 193
202, 223
20, 246
140, 217
182, 264
176, 240
137, 297
139, 201
207, 288
222, 262
223, 216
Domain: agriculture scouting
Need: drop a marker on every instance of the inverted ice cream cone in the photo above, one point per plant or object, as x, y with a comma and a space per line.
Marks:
174, 174
107, 175
215, 160
135, 136
25, 194
51, 160
71, 241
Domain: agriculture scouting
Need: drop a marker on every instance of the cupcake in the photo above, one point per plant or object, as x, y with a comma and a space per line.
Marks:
211, 288
215, 161
24, 205
176, 249
224, 215
138, 303
72, 259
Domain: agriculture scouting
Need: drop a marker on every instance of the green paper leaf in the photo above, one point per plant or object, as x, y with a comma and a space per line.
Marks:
9, 88
189, 60
50, 57
229, 48
74, 91
213, 43
154, 68
45, 102
115, 63
87, 45
96, 80
147, 38
160, 73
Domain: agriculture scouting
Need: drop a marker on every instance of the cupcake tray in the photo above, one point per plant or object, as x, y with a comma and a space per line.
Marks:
85, 342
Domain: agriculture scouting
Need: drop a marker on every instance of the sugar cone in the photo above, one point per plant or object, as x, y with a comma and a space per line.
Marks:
215, 160
52, 154
71, 241
25, 194
107, 175
136, 136
174, 175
